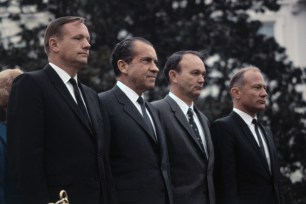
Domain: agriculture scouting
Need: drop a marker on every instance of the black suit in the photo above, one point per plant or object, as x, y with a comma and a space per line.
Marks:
139, 164
50, 145
191, 172
242, 174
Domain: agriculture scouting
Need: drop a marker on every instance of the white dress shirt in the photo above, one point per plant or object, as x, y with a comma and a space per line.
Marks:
65, 78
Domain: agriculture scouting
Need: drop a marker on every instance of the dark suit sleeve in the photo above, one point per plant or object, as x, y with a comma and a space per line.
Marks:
225, 164
26, 139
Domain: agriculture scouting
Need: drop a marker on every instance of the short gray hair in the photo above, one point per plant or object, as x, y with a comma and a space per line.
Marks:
238, 79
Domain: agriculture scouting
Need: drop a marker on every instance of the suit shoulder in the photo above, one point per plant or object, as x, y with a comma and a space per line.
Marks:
222, 122
33, 79
159, 104
88, 89
153, 108
33, 74
105, 94
106, 98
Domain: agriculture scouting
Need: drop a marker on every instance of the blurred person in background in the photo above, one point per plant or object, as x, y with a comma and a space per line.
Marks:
8, 192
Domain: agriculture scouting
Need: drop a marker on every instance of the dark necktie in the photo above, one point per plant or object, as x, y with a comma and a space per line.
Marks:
145, 116
78, 98
259, 138
194, 127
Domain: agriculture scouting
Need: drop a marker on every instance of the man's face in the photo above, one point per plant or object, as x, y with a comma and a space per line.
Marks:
190, 79
73, 46
252, 95
142, 71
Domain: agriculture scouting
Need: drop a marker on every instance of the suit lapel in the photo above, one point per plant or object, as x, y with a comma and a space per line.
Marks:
156, 122
91, 105
248, 134
63, 91
271, 147
131, 110
179, 115
206, 131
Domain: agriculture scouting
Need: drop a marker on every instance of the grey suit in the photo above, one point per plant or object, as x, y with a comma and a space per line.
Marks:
139, 164
191, 172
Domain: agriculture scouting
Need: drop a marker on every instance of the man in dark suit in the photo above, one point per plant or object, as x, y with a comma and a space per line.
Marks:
246, 167
54, 123
137, 150
191, 153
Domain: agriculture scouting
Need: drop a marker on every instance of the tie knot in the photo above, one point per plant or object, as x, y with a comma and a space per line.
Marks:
140, 100
72, 81
254, 121
190, 112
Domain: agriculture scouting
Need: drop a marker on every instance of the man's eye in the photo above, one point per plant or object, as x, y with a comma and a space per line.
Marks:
78, 37
146, 61
195, 73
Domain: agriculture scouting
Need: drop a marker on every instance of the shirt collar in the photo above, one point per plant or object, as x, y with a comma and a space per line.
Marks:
130, 93
62, 74
184, 107
246, 117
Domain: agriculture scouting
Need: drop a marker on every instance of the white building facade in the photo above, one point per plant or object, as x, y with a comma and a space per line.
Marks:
288, 26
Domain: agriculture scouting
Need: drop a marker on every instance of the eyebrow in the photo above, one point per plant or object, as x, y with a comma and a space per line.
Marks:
149, 59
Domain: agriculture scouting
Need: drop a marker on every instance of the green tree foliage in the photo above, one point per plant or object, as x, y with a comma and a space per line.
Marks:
221, 28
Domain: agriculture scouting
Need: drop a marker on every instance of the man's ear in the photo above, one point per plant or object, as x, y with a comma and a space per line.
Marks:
173, 76
53, 44
122, 66
235, 92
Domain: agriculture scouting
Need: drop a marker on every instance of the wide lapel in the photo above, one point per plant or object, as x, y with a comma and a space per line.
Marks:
131, 110
179, 115
63, 91
248, 134
206, 131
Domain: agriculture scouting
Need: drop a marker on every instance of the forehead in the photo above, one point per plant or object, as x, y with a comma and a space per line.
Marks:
142, 49
75, 28
191, 61
253, 77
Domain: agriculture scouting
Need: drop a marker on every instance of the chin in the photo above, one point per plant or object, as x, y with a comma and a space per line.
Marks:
260, 109
85, 62
196, 94
263, 106
82, 65
150, 87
